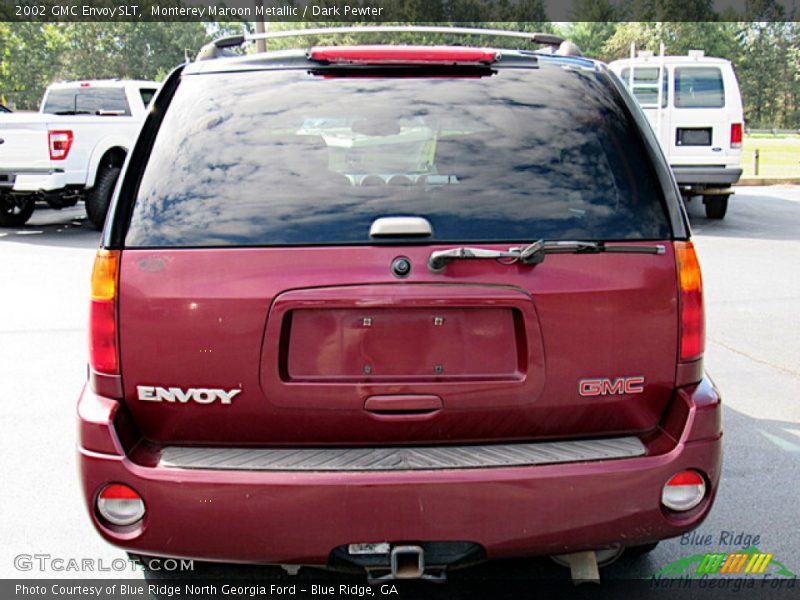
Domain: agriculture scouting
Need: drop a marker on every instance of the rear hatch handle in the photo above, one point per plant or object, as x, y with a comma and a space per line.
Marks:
400, 226
534, 253
403, 407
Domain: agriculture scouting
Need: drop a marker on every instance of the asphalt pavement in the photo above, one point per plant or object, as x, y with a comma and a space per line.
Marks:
751, 266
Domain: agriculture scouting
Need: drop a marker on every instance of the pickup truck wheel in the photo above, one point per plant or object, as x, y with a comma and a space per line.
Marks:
99, 197
15, 210
716, 206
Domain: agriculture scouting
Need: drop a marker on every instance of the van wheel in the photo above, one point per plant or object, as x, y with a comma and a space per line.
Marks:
716, 206
15, 210
99, 197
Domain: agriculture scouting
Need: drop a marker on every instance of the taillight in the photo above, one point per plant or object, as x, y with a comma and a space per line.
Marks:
120, 504
684, 491
736, 135
692, 315
103, 352
60, 142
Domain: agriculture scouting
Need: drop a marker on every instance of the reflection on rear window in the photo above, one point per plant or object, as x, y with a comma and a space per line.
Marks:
699, 87
280, 158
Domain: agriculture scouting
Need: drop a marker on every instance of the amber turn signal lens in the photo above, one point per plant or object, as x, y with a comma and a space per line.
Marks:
104, 275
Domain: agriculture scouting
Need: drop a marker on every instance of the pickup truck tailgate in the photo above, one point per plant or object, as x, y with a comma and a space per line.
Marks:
24, 143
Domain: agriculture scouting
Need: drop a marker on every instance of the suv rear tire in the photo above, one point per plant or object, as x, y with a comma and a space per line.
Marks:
716, 206
636, 551
16, 210
99, 197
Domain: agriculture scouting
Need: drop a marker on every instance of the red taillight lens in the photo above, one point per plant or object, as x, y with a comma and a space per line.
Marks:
693, 326
118, 491
736, 135
402, 55
103, 353
686, 478
60, 142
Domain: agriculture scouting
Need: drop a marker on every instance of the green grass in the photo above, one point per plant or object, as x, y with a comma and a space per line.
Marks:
779, 155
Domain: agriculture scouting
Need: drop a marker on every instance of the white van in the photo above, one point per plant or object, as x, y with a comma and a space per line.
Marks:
695, 107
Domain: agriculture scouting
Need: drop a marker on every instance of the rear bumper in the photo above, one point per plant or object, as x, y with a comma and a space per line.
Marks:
706, 175
40, 182
300, 517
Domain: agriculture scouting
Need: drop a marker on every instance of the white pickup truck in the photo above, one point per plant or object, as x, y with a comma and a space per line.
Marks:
72, 149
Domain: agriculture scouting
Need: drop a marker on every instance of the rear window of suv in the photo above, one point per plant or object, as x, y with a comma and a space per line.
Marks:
288, 157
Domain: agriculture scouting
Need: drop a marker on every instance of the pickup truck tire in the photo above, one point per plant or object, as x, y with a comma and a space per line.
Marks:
716, 206
16, 210
99, 197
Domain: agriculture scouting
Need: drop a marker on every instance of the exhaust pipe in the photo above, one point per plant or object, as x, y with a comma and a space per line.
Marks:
583, 567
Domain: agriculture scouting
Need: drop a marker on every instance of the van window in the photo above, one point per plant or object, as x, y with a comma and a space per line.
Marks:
276, 158
699, 87
646, 85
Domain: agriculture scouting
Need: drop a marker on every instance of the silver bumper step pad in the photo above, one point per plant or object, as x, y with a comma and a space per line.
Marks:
397, 458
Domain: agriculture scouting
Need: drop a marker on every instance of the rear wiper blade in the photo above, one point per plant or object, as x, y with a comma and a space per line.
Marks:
534, 253
72, 112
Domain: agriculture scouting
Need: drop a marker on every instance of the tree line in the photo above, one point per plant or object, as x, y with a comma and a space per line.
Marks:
765, 54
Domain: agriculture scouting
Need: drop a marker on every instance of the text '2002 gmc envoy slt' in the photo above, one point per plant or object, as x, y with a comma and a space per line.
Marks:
397, 308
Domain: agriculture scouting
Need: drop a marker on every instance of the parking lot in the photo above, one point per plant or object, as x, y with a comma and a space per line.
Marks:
750, 262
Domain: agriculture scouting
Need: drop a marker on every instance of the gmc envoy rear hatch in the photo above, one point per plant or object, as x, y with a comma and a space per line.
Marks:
397, 308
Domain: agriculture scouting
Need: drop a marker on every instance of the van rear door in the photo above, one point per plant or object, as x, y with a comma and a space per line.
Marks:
703, 107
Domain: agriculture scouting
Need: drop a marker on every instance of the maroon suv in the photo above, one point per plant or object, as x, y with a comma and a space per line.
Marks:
396, 307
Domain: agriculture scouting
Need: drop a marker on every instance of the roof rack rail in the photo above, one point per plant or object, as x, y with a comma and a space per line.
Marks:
217, 48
